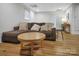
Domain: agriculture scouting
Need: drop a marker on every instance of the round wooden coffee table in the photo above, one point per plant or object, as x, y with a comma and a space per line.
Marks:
31, 37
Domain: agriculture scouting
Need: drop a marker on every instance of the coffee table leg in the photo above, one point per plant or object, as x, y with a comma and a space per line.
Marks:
21, 46
31, 48
42, 45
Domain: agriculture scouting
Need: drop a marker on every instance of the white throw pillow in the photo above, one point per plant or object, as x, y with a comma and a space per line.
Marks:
35, 27
23, 26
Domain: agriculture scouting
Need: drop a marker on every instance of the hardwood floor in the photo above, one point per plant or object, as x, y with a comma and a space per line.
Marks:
67, 47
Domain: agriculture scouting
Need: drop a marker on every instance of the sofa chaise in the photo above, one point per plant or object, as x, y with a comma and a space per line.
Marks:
11, 36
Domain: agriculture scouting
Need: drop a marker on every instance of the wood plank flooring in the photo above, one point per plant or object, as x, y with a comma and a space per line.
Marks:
67, 47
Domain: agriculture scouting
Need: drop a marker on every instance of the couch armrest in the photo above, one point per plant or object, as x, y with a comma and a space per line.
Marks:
16, 28
54, 32
53, 29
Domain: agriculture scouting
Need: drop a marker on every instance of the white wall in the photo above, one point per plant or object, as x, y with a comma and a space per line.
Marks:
47, 17
43, 17
76, 18
73, 11
10, 15
71, 18
58, 22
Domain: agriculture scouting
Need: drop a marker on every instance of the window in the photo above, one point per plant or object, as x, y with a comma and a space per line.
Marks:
27, 15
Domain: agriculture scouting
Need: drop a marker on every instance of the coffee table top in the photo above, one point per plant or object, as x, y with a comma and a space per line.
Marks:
31, 36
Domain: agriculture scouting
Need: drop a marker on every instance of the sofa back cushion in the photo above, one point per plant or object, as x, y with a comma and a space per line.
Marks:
31, 24
28, 26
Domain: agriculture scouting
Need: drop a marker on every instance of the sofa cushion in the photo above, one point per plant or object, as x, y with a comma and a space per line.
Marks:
23, 26
12, 33
31, 24
44, 28
35, 27
47, 27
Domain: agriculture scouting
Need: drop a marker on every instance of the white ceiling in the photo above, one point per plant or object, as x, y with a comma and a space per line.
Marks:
47, 7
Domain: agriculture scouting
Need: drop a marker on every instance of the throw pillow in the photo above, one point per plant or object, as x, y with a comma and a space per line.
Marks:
23, 26
35, 27
47, 27
44, 28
